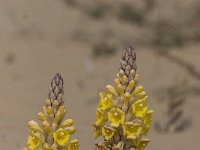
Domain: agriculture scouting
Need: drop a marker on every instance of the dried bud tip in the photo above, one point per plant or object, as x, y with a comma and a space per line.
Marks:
128, 61
56, 89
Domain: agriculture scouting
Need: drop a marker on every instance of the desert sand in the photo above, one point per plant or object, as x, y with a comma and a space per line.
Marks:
39, 38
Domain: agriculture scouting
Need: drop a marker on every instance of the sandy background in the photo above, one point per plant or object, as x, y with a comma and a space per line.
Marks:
40, 38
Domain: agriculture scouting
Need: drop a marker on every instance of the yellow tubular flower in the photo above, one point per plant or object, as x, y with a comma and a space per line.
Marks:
101, 116
108, 132
132, 130
33, 141
97, 131
140, 108
105, 100
61, 136
116, 116
73, 145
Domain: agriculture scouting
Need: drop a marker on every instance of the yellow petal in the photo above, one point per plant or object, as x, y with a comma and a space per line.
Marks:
33, 141
108, 132
61, 136
116, 116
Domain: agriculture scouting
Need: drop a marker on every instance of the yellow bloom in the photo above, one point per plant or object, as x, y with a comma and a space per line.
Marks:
97, 131
101, 116
73, 145
147, 120
132, 130
33, 140
108, 132
116, 116
105, 100
61, 136
142, 144
140, 108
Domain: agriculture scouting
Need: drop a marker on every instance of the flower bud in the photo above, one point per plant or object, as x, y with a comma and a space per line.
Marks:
34, 126
67, 123
111, 89
41, 116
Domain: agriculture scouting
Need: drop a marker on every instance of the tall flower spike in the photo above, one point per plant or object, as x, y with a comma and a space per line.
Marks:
52, 133
126, 118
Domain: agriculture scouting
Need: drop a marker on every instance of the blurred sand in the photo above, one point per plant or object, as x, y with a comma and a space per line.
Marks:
35, 43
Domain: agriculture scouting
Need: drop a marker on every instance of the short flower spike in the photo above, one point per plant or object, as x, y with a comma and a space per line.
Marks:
53, 132
123, 118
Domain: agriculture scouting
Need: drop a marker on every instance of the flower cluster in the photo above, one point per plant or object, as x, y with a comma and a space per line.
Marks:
122, 115
52, 133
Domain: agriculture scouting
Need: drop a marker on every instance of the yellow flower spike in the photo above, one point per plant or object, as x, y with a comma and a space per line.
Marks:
101, 116
33, 141
116, 116
111, 89
132, 130
108, 132
71, 130
34, 126
67, 123
147, 120
97, 131
61, 136
105, 100
73, 145
142, 144
41, 116
139, 108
